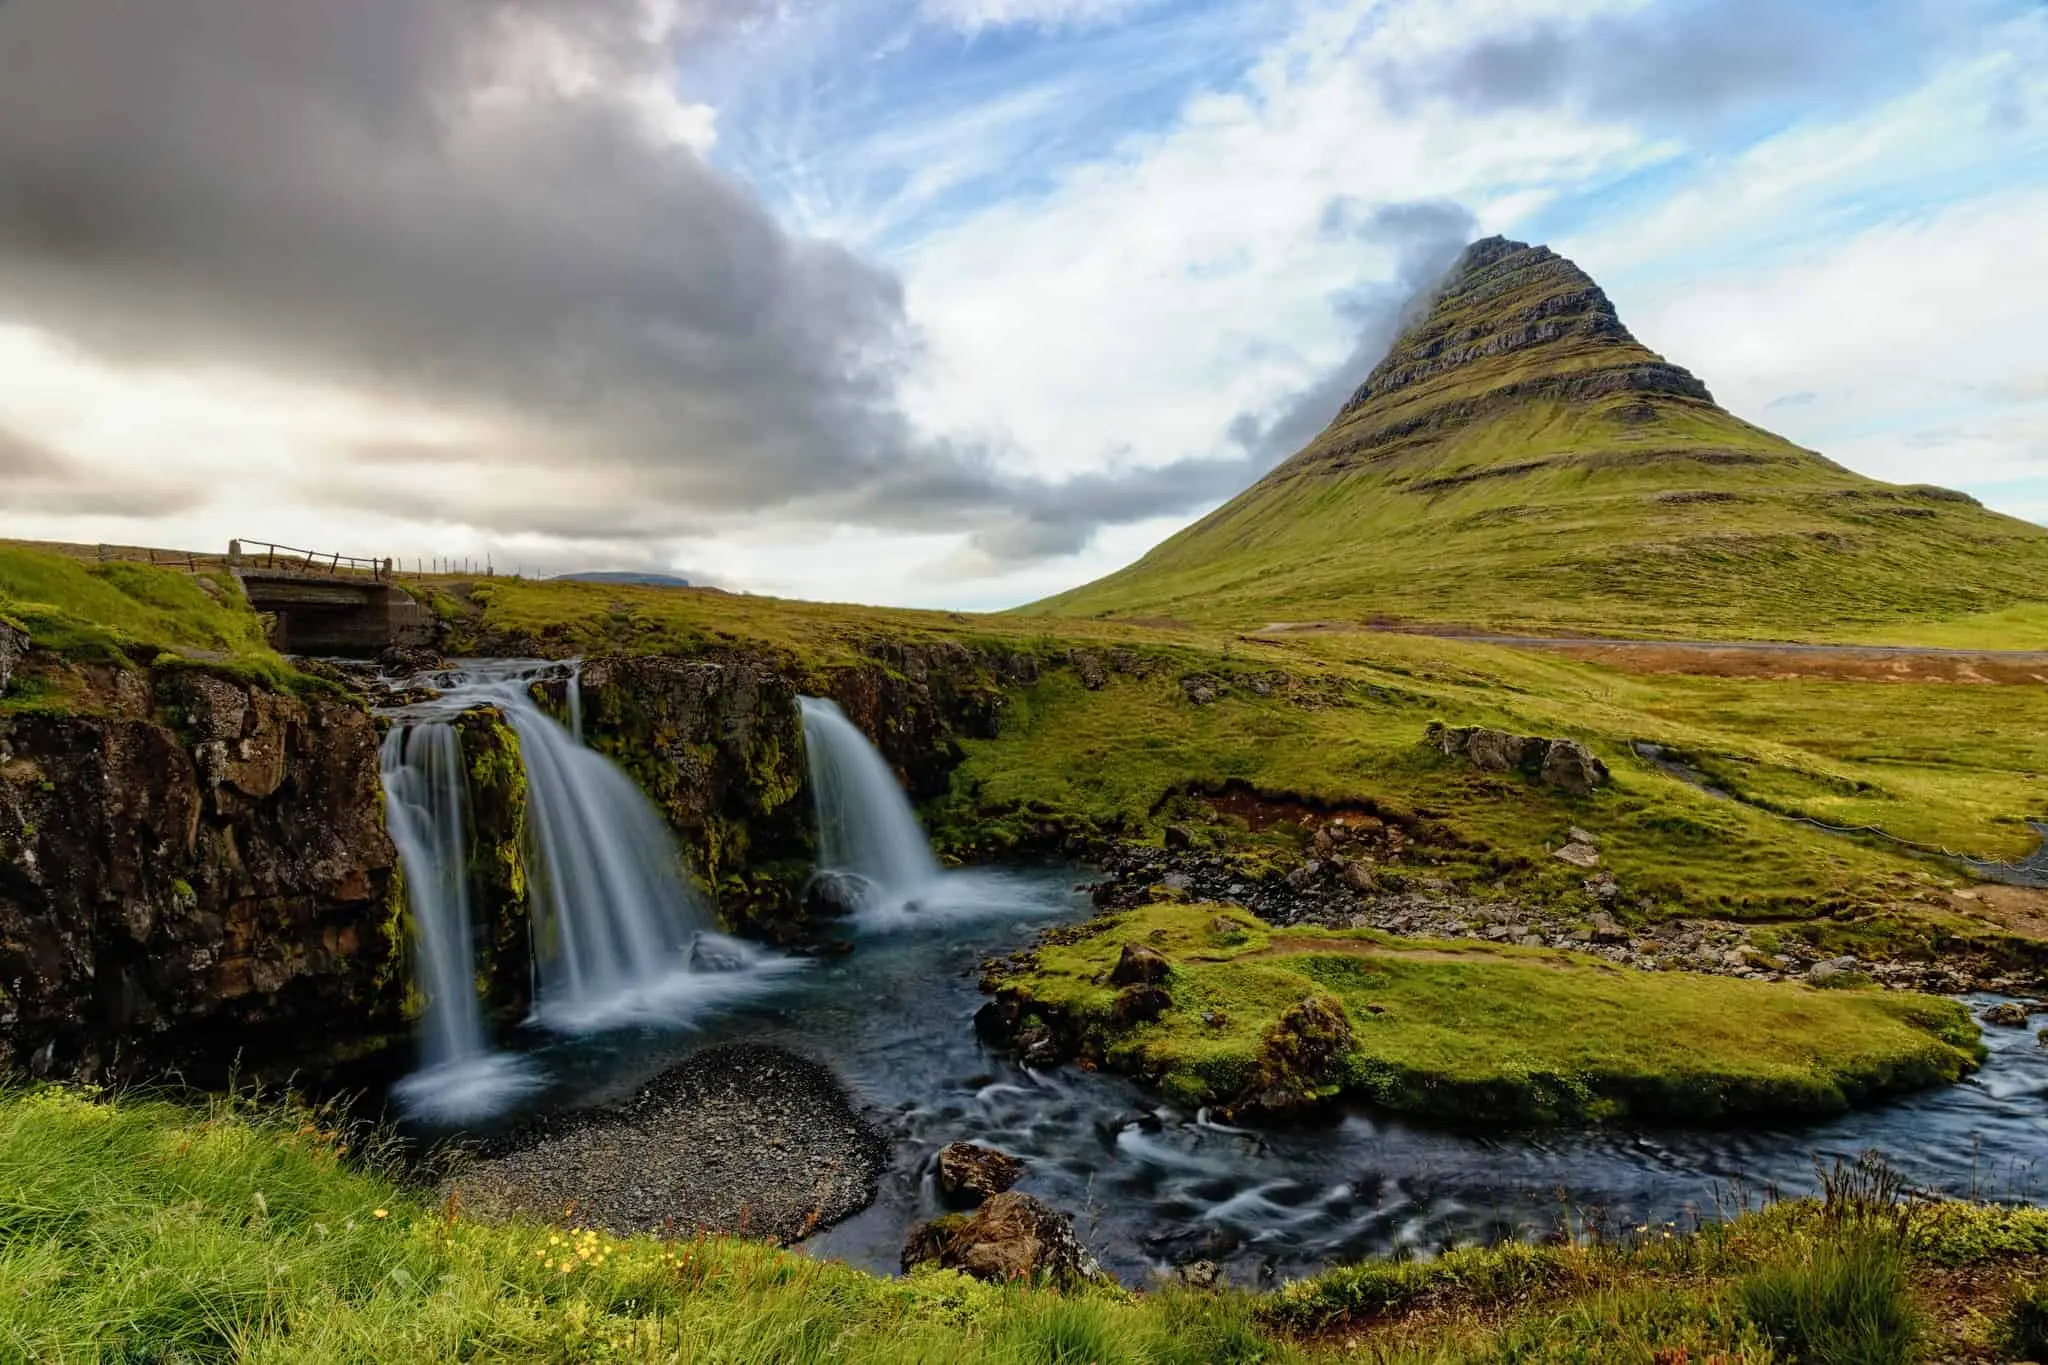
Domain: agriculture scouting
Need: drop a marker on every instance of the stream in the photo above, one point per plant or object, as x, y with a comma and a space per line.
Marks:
1150, 1187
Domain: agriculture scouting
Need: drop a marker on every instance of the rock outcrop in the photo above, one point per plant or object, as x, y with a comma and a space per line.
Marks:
1012, 1237
194, 870
13, 646
968, 1173
1562, 763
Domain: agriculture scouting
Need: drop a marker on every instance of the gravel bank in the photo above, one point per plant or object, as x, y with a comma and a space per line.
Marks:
740, 1139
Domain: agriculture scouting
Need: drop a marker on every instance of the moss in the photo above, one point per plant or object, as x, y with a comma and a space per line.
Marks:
1273, 1019
498, 834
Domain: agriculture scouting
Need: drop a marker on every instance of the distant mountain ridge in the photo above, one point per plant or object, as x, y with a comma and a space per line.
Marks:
628, 576
1518, 458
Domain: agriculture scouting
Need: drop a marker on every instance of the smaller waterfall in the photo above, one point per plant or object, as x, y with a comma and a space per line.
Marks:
425, 794
865, 824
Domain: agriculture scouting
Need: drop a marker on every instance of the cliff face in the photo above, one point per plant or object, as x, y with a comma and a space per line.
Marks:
195, 870
192, 870
716, 741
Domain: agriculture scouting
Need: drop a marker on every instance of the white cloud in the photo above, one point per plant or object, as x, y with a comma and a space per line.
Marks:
1131, 311
973, 15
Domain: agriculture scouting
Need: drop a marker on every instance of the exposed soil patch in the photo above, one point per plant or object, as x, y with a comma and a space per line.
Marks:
739, 1139
1261, 812
2020, 909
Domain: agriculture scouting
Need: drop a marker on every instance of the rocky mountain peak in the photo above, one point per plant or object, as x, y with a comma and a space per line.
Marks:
1508, 311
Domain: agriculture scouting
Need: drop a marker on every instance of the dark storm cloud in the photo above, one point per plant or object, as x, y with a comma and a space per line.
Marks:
1688, 59
456, 202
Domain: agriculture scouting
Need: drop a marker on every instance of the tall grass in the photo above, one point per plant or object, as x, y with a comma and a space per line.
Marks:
136, 1230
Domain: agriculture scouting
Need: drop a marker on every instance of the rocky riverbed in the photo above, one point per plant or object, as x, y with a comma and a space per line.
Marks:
737, 1139
1339, 883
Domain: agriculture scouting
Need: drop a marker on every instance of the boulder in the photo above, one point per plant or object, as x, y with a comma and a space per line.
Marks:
1570, 766
1358, 876
1179, 838
1303, 1055
832, 895
1088, 667
1579, 855
969, 1173
2007, 1014
1139, 965
1011, 1237
1606, 929
714, 953
1836, 971
1140, 1004
1201, 689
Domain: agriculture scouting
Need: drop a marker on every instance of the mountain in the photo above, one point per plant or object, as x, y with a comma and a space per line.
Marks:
1519, 460
626, 576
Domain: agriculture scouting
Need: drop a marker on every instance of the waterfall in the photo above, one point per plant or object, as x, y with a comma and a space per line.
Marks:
865, 824
619, 934
425, 790
613, 916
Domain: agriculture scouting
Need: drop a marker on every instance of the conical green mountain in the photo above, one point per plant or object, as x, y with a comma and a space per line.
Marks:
1519, 461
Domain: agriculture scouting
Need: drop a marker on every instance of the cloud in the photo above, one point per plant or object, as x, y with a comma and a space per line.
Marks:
1687, 59
1426, 239
38, 479
974, 15
496, 209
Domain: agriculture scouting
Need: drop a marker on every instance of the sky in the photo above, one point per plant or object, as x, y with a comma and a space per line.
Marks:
950, 303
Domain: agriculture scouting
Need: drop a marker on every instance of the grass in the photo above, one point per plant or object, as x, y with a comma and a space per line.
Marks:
121, 613
97, 612
137, 1229
2024, 1332
1479, 1034
1843, 1302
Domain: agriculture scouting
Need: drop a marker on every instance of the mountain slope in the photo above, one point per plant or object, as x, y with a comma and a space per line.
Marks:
1520, 460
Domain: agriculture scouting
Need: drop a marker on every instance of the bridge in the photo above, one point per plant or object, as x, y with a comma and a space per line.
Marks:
328, 604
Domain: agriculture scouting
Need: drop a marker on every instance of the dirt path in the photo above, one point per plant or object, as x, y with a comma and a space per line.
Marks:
1734, 658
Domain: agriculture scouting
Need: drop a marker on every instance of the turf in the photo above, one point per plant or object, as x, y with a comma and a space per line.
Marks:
1491, 1034
98, 612
133, 1229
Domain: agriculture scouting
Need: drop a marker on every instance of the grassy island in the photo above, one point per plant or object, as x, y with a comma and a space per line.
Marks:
1247, 1015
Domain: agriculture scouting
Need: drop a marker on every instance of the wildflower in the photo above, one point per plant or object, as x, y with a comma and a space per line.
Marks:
380, 1213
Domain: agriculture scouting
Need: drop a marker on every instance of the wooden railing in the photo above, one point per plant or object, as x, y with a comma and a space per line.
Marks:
260, 554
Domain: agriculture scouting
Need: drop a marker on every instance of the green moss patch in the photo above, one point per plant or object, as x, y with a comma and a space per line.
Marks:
1477, 1034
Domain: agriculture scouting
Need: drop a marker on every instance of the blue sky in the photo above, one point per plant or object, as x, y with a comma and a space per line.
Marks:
1047, 278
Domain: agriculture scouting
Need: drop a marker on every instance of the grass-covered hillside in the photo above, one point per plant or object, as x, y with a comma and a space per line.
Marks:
99, 612
1519, 461
1109, 743
139, 1230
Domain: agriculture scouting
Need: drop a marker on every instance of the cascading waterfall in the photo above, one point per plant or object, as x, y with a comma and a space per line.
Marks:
618, 932
425, 795
865, 824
